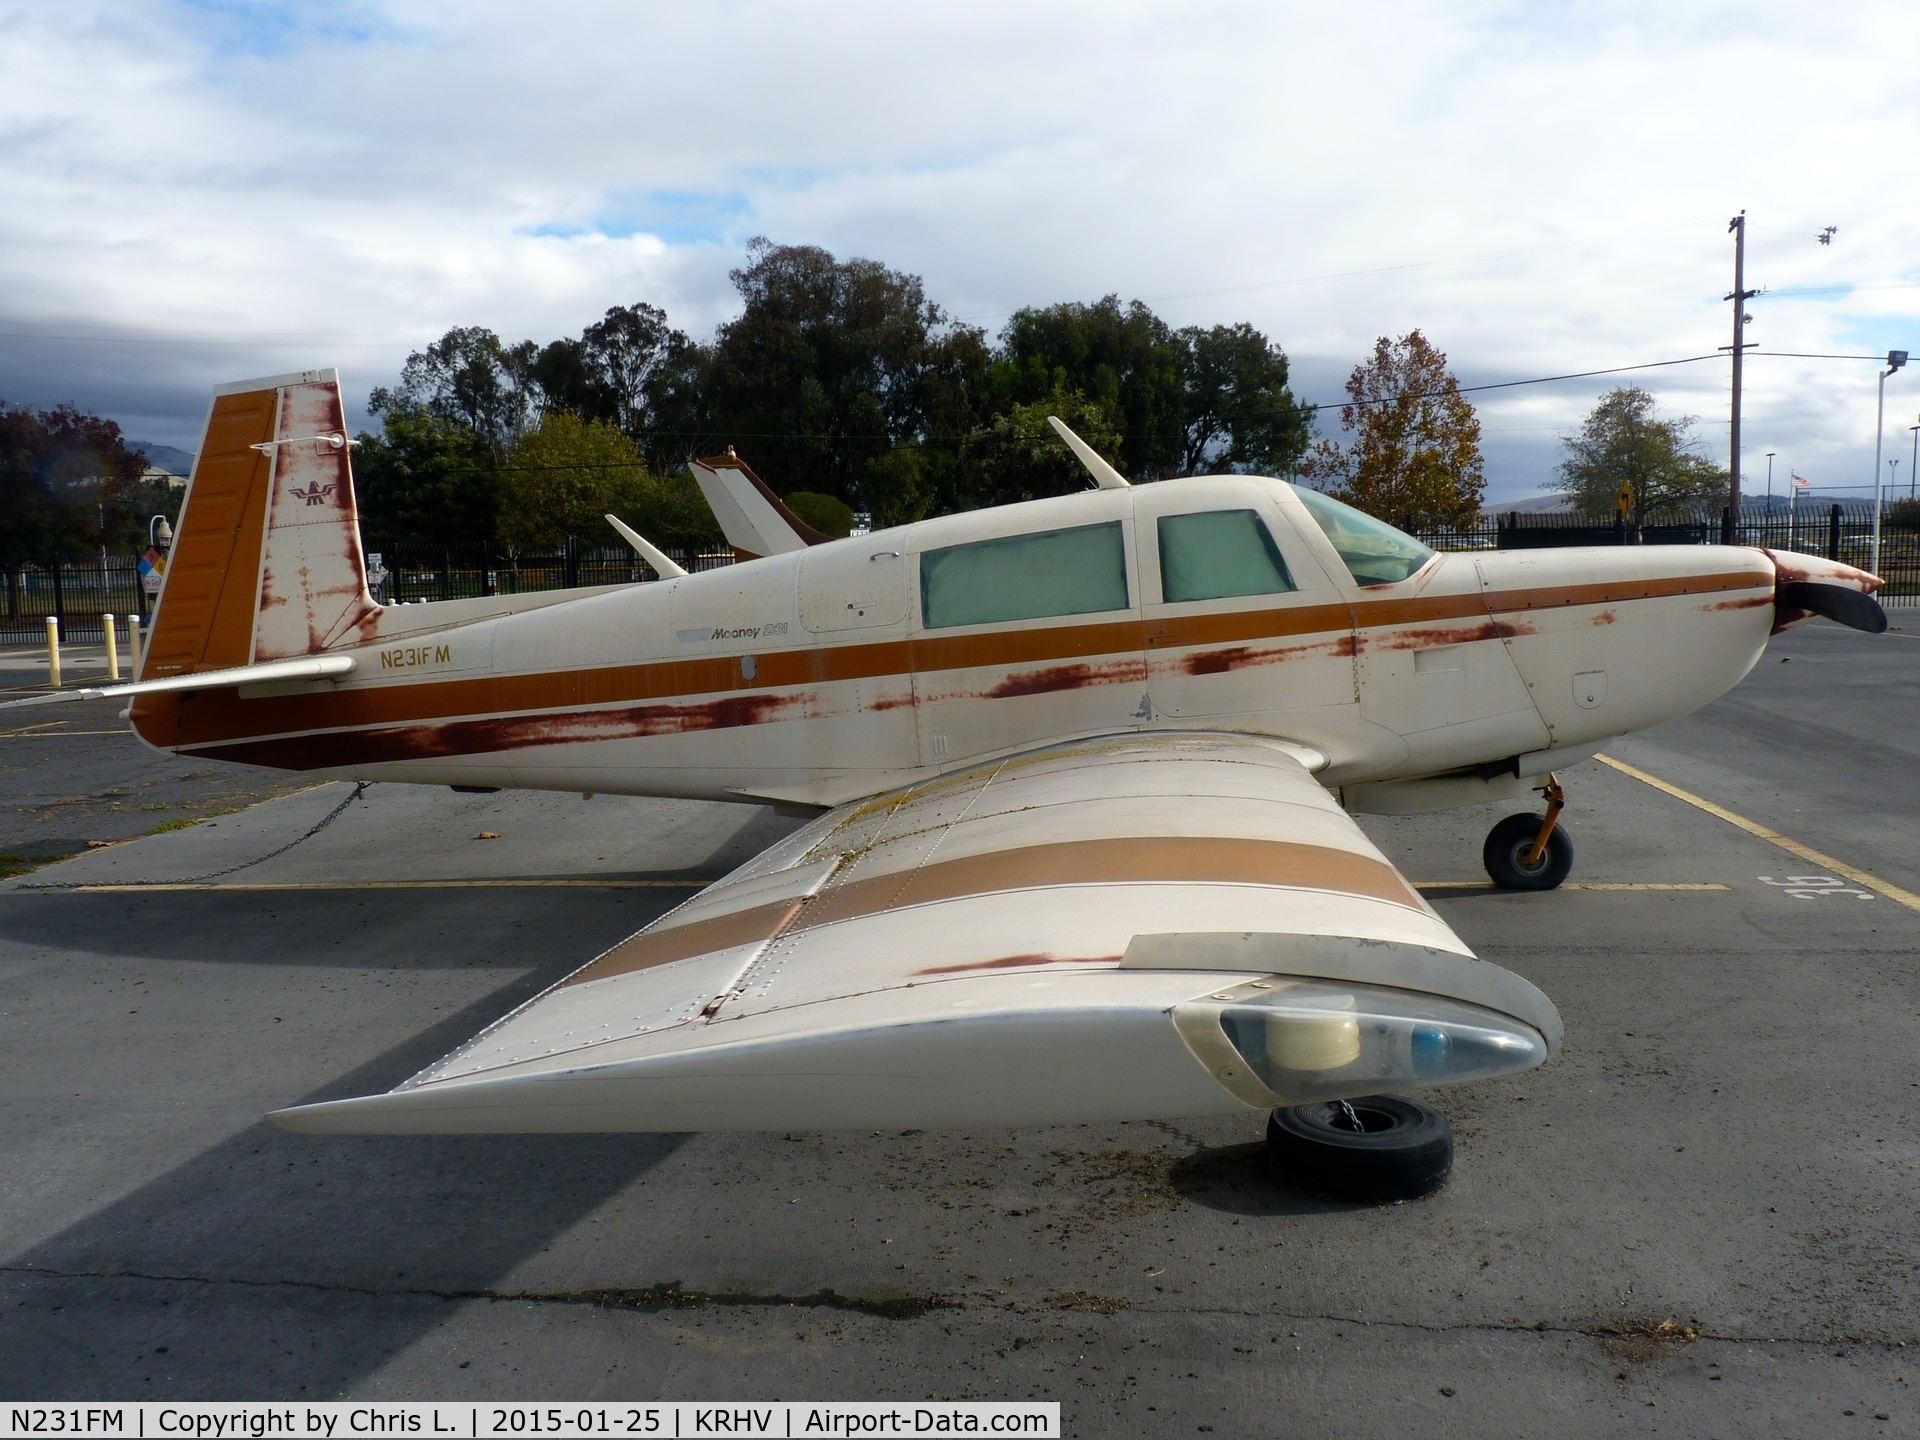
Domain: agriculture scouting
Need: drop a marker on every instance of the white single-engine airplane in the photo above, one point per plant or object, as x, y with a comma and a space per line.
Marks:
1083, 771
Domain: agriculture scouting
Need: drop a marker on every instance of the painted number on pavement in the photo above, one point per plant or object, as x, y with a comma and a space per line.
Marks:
1812, 887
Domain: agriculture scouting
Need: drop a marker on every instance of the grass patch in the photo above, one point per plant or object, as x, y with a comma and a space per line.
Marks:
11, 865
195, 820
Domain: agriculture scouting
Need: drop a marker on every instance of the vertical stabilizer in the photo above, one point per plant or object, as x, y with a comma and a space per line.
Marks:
755, 521
266, 560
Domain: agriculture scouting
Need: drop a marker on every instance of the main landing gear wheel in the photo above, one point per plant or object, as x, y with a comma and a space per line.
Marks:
1509, 847
1377, 1149
1531, 852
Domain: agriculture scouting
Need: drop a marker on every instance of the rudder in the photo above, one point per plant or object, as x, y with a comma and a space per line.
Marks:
266, 560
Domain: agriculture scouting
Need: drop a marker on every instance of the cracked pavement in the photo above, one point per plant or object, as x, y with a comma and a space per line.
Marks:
1696, 1219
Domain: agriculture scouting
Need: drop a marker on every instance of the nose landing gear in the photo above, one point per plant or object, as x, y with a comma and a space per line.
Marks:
1531, 852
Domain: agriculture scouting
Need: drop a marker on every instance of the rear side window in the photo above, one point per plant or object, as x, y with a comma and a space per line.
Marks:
1216, 554
1025, 577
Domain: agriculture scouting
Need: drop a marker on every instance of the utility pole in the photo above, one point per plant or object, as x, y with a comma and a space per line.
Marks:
1737, 227
1895, 359
1913, 467
1770, 455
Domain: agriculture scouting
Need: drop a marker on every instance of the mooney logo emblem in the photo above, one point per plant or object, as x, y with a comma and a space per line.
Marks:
314, 494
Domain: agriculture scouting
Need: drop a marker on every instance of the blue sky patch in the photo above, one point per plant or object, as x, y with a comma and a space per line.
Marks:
679, 217
279, 27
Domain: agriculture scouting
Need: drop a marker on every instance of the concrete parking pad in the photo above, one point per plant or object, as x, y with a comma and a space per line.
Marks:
1696, 1219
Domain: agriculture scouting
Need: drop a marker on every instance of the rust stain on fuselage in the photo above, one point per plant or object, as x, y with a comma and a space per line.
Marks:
480, 737
1240, 657
1054, 678
1431, 637
1752, 602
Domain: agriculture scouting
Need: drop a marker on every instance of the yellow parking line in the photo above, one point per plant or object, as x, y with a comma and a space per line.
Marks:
1772, 837
1574, 885
138, 889
58, 734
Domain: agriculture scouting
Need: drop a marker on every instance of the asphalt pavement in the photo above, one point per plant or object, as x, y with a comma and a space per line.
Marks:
1696, 1219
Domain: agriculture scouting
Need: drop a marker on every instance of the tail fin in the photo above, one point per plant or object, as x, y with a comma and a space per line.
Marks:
266, 560
756, 521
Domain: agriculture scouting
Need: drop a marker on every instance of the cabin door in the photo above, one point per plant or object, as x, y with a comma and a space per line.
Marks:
1238, 619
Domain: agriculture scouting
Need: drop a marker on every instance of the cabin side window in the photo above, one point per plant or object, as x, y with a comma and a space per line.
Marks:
1219, 554
1025, 577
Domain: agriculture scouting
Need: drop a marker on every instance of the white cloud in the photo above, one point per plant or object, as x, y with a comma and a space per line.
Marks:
1540, 189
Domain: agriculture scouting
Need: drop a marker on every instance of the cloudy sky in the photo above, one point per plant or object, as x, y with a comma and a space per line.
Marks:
198, 192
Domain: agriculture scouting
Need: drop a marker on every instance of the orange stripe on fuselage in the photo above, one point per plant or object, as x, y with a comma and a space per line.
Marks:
423, 719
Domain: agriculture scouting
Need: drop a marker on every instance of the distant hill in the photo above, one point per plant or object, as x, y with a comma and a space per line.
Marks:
174, 462
1532, 505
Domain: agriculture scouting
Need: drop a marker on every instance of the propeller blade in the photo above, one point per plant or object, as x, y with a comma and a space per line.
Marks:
1836, 602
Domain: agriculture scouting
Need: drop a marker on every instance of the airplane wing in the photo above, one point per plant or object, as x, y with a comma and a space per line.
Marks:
1135, 927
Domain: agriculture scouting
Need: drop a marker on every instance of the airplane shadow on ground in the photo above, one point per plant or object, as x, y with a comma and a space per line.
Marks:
278, 1265
1240, 1180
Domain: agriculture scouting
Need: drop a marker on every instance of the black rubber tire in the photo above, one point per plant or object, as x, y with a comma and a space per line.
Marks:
1506, 848
1405, 1151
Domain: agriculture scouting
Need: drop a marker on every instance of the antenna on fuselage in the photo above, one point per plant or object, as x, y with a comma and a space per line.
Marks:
1104, 475
664, 567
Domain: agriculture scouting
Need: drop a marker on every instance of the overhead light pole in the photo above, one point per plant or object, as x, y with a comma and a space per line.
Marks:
1913, 463
1895, 359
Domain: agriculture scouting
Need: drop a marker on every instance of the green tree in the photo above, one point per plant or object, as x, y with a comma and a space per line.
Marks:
565, 475
1413, 456
1123, 359
824, 513
1183, 402
898, 487
830, 365
424, 479
1237, 412
471, 377
67, 482
631, 369
1017, 455
1623, 439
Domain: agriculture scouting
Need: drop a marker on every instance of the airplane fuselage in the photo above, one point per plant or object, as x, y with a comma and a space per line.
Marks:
816, 677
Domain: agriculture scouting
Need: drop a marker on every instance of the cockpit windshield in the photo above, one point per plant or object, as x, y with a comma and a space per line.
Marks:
1375, 552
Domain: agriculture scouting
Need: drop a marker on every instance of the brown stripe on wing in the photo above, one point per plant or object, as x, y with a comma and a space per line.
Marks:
681, 942
1126, 860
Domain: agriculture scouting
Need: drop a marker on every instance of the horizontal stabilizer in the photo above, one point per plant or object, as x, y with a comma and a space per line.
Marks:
308, 667
756, 522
